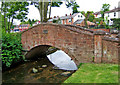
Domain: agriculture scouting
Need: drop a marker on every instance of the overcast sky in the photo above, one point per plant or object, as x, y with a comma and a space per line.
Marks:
85, 5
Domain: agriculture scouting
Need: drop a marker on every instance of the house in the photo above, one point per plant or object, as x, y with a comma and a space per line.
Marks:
67, 19
114, 13
81, 22
75, 19
20, 28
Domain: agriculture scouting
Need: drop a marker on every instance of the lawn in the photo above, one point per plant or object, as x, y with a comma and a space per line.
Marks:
95, 73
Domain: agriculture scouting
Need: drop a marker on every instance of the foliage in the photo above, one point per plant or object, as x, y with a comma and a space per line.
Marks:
14, 10
31, 22
43, 8
11, 48
91, 17
105, 8
2, 21
57, 21
95, 73
88, 16
116, 23
73, 5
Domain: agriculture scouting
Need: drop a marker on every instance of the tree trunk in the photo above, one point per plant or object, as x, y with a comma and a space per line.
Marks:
50, 9
45, 11
5, 19
9, 25
40, 10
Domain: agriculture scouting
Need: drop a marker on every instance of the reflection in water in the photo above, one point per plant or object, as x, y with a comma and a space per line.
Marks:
24, 73
61, 60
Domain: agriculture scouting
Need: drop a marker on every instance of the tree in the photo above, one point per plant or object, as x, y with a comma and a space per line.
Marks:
105, 8
31, 22
87, 16
91, 17
14, 10
53, 4
2, 21
116, 23
73, 5
43, 8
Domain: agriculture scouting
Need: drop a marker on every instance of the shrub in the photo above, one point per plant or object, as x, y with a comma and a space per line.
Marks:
11, 48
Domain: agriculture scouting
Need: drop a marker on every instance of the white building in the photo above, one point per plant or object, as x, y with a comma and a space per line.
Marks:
114, 13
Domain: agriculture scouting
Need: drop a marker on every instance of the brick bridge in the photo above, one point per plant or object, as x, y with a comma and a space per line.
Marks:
82, 45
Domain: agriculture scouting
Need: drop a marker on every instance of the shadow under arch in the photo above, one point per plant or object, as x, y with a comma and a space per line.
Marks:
42, 51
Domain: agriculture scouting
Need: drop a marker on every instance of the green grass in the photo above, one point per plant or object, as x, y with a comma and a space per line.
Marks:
95, 73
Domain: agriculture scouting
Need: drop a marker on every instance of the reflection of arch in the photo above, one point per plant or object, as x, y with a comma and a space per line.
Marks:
76, 42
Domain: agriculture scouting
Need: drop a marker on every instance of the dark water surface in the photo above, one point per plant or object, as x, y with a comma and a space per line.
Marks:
23, 73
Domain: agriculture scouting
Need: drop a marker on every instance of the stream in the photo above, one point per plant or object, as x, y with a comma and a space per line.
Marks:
23, 73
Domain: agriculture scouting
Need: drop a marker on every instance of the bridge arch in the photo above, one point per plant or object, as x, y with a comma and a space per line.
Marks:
76, 42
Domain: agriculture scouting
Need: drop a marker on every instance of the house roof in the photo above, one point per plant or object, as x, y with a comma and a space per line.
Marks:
90, 23
24, 25
79, 21
113, 10
64, 17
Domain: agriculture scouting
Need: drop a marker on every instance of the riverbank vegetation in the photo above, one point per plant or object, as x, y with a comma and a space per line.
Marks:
95, 73
11, 48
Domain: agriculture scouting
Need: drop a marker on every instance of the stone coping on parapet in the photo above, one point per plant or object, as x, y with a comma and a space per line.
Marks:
101, 32
111, 39
82, 28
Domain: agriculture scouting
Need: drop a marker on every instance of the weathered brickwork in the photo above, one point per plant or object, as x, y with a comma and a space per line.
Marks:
80, 44
110, 51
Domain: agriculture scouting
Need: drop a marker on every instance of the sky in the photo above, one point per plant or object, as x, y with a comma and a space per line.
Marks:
85, 5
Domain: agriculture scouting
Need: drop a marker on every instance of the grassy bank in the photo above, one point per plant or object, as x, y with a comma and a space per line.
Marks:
95, 73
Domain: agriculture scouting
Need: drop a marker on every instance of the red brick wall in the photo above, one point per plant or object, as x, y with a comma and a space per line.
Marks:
107, 30
77, 44
80, 44
106, 48
110, 51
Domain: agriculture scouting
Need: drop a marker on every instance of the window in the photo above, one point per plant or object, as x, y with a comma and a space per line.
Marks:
70, 20
78, 15
114, 14
81, 16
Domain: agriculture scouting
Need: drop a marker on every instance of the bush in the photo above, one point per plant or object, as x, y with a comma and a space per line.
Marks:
11, 48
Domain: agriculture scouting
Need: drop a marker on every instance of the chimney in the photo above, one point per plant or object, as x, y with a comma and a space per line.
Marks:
65, 14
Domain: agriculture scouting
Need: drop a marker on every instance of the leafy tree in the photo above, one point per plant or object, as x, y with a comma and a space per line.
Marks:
53, 4
14, 10
116, 23
88, 16
2, 21
43, 8
73, 5
31, 22
105, 8
91, 17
